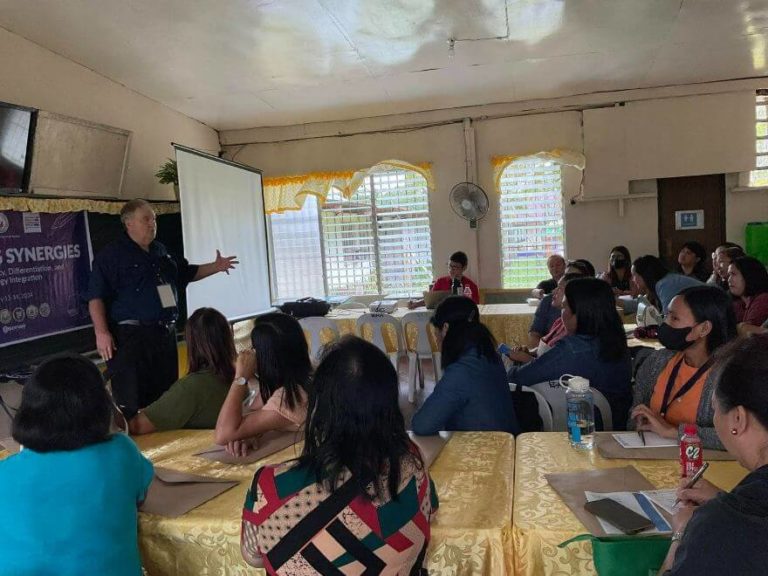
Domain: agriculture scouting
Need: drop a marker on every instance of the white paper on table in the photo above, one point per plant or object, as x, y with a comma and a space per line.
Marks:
664, 498
628, 500
652, 440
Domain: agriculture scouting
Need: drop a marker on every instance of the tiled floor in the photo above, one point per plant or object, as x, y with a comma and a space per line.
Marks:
406, 407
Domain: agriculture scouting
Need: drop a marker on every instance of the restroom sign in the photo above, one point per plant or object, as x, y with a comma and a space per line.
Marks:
689, 220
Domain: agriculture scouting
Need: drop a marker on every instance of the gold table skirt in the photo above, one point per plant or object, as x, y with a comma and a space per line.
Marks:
509, 323
471, 533
541, 520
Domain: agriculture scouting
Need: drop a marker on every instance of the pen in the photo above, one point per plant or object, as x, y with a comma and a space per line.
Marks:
641, 433
695, 479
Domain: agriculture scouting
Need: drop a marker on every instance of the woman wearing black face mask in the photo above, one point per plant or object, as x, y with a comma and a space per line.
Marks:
619, 274
674, 386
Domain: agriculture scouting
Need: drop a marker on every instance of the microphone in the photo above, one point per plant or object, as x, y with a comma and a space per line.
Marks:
455, 286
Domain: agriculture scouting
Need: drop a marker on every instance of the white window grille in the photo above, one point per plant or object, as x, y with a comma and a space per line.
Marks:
297, 267
376, 242
531, 210
759, 177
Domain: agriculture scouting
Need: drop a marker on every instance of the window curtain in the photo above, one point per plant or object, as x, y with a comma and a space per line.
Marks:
284, 193
556, 156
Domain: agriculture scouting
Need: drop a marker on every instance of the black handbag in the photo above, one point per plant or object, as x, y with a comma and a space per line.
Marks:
526, 410
305, 307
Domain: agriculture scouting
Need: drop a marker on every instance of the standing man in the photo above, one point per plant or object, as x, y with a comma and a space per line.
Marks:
133, 302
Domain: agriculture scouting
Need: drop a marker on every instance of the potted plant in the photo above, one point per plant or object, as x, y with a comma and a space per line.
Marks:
168, 174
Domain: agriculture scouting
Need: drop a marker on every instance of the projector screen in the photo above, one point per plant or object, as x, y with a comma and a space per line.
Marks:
222, 207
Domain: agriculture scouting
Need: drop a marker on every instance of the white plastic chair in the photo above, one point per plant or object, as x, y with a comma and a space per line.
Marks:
378, 323
554, 394
352, 305
314, 326
545, 412
423, 349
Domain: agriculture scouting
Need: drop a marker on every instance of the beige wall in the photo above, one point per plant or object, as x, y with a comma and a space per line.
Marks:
38, 78
592, 226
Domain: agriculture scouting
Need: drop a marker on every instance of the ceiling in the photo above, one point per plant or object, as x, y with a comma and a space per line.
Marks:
246, 63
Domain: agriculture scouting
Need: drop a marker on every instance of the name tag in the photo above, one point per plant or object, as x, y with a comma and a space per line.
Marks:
167, 298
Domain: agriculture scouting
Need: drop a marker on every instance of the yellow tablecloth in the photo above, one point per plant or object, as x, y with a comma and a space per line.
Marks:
509, 323
471, 534
541, 520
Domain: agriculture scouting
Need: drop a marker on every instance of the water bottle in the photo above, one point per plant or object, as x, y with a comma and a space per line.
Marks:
691, 455
467, 292
581, 411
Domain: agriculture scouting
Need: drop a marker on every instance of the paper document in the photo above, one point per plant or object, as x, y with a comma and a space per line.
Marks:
652, 440
638, 502
664, 498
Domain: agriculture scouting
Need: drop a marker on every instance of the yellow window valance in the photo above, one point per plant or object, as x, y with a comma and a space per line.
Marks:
285, 193
57, 205
556, 156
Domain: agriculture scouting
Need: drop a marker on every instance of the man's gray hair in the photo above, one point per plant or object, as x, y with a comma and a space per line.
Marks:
131, 206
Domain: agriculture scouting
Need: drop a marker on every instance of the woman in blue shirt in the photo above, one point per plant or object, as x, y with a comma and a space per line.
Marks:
70, 497
473, 393
595, 348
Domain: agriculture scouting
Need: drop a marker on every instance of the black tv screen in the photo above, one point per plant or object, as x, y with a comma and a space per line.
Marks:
17, 126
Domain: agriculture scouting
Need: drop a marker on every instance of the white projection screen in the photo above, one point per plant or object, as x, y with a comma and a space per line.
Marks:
222, 207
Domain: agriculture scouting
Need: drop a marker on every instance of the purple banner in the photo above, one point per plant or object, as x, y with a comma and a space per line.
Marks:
44, 267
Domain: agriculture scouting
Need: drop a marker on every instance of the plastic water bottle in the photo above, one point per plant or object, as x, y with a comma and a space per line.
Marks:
467, 291
691, 455
581, 412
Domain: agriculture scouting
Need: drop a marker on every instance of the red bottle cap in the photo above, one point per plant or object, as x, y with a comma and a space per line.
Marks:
690, 430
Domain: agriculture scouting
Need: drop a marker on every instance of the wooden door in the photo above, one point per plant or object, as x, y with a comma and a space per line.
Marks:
690, 193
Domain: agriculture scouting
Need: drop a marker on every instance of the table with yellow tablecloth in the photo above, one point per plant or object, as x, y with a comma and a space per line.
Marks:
541, 520
471, 533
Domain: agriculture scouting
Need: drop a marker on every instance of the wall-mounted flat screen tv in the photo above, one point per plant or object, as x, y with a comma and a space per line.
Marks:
17, 128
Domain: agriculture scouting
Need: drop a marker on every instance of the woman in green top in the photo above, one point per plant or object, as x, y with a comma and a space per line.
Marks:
194, 400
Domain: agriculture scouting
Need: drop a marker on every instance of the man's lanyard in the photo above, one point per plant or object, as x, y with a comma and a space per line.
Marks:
685, 388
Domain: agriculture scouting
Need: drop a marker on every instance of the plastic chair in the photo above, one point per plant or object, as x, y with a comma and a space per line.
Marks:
545, 412
314, 326
554, 394
378, 323
422, 350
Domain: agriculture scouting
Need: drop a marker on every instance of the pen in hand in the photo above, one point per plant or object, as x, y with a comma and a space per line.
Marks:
641, 433
693, 480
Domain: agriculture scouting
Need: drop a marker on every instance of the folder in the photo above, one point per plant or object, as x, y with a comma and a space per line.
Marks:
268, 443
173, 493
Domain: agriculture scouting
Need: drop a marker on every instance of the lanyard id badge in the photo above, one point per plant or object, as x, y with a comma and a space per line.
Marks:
167, 297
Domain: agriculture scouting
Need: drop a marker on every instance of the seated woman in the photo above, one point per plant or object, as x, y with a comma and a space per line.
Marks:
194, 400
555, 334
359, 495
674, 386
279, 368
70, 497
658, 284
618, 275
692, 261
595, 348
719, 532
748, 284
473, 393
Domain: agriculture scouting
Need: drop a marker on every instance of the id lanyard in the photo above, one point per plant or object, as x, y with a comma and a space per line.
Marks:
685, 387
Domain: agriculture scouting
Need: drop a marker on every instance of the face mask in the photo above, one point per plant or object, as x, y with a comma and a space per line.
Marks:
619, 263
674, 338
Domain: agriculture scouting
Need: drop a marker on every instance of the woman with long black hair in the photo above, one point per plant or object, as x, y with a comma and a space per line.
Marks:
473, 393
595, 348
278, 367
325, 513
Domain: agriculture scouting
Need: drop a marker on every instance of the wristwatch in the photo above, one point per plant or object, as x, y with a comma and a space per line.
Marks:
240, 381
677, 536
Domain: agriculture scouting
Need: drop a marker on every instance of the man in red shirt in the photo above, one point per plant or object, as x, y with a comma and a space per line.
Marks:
456, 267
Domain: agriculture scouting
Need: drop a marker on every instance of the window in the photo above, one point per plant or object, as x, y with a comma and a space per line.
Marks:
759, 177
376, 242
531, 221
297, 267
